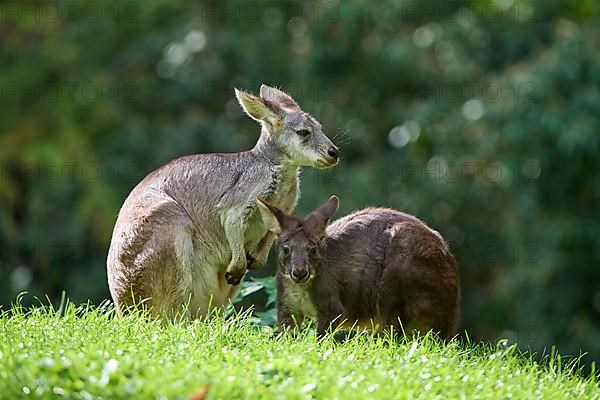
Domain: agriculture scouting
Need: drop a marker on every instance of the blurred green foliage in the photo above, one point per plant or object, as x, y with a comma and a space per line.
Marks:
479, 117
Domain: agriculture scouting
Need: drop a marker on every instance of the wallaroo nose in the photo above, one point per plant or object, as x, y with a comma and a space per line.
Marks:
299, 275
333, 152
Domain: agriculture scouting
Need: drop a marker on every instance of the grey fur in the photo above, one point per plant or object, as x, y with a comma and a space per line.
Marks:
187, 232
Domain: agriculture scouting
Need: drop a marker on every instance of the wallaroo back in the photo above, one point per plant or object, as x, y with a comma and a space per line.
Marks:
376, 268
187, 232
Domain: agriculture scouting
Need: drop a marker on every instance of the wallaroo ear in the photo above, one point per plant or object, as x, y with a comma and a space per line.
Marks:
274, 219
317, 220
256, 107
277, 97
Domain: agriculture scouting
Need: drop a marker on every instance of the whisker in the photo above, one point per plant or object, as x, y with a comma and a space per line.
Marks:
342, 138
341, 134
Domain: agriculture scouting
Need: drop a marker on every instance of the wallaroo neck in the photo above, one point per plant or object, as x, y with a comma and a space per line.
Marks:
267, 148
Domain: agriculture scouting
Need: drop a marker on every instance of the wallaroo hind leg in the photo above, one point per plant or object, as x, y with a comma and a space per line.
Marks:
419, 284
413, 313
157, 275
164, 295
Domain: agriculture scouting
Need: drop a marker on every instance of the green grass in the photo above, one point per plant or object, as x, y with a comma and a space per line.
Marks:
85, 353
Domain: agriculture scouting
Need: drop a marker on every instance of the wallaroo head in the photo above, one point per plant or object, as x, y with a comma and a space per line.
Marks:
296, 135
301, 242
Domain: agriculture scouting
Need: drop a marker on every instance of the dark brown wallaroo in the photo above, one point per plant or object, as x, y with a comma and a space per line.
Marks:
376, 268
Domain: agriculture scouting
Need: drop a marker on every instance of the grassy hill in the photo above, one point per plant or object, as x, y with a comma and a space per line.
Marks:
86, 353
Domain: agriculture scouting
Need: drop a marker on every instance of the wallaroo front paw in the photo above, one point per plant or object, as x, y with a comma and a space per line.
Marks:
254, 262
233, 278
235, 271
250, 259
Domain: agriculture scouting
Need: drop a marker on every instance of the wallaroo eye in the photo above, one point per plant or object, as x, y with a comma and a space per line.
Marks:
285, 250
312, 250
303, 132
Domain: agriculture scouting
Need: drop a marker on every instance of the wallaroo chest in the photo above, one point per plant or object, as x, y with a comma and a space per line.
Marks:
297, 299
283, 188
285, 185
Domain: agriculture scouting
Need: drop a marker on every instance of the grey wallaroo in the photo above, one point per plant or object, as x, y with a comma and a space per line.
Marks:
187, 232
376, 268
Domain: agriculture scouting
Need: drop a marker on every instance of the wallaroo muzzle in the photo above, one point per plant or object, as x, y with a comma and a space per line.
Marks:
300, 275
333, 153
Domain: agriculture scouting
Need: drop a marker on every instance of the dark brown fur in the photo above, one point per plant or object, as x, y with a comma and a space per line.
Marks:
376, 268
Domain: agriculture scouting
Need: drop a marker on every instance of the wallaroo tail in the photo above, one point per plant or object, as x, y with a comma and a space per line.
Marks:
376, 268
187, 232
